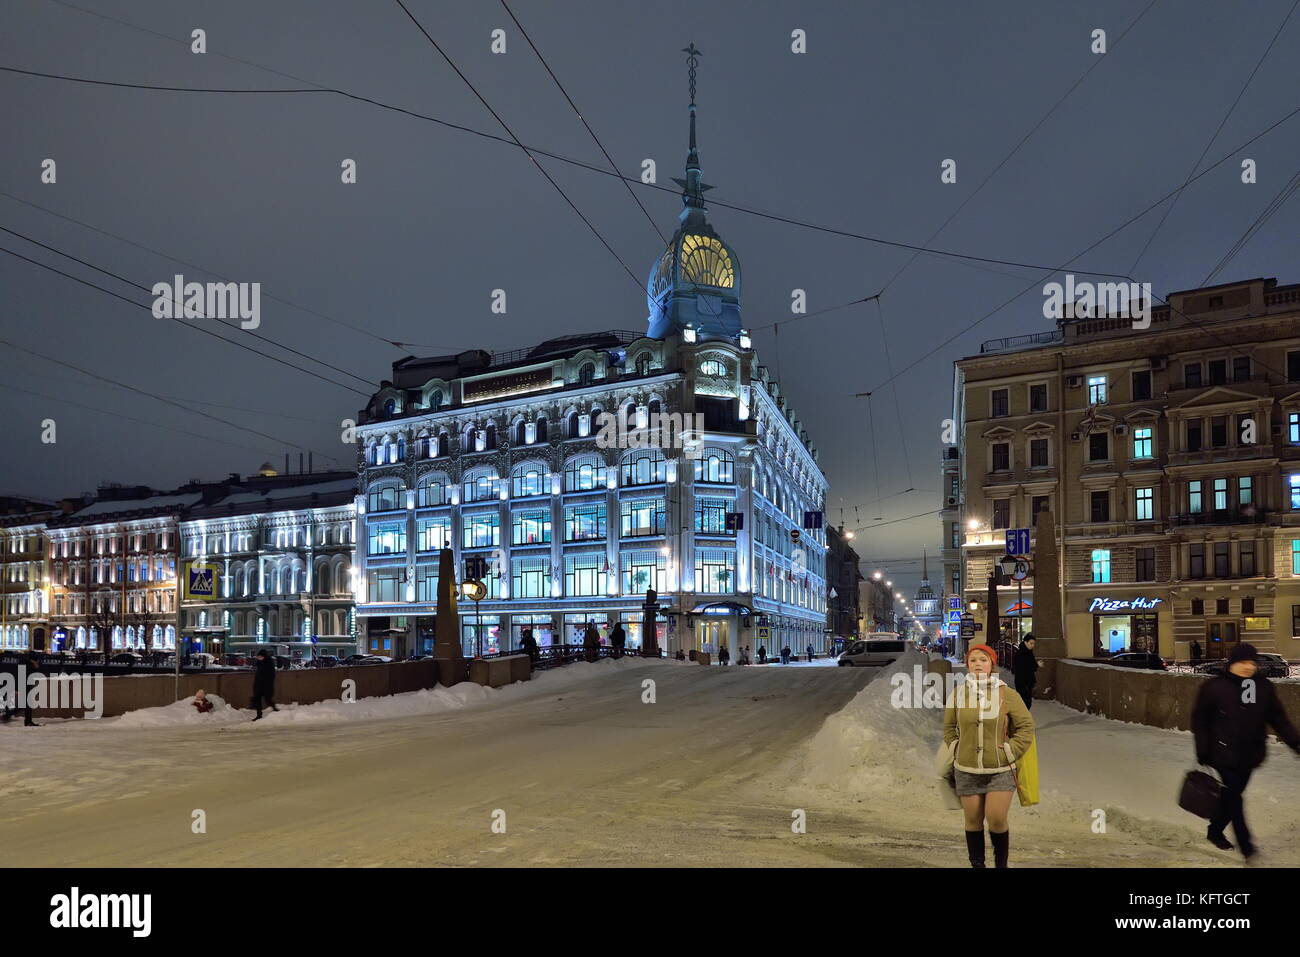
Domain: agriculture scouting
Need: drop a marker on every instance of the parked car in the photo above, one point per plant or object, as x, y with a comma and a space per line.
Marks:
126, 658
877, 650
1270, 666
1138, 659
324, 661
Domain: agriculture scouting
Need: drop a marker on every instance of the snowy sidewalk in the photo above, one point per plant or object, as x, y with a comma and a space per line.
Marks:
872, 753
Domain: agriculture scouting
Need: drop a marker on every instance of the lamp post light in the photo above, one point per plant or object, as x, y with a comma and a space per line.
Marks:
476, 591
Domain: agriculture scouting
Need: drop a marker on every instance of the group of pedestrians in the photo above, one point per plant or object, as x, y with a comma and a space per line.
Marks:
988, 732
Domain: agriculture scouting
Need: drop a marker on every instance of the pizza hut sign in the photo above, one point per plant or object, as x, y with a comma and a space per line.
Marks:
1123, 604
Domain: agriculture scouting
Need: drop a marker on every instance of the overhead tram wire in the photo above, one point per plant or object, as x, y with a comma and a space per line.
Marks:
131, 418
170, 258
1015, 149
635, 181
541, 169
1215, 135
153, 395
1278, 201
181, 321
578, 113
1066, 265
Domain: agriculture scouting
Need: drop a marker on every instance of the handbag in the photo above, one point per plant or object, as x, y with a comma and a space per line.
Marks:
1200, 794
1026, 774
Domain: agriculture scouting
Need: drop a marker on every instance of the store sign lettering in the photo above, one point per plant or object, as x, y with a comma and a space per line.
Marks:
1123, 604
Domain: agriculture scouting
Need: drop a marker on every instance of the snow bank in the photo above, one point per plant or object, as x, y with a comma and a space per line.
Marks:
428, 701
871, 748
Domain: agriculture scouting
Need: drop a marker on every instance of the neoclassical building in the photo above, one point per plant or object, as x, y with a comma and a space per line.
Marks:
590, 468
282, 546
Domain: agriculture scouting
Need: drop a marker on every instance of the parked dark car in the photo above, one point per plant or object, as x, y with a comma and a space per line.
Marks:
1270, 666
1138, 659
126, 658
324, 661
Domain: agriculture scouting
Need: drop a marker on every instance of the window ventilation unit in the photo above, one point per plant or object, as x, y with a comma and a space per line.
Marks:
1074, 381
1075, 436
952, 500
1157, 364
1121, 430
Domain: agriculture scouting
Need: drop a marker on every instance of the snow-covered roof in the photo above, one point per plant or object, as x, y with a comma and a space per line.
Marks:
336, 487
136, 504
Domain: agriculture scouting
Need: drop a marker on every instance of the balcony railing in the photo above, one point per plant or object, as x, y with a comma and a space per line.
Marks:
1223, 516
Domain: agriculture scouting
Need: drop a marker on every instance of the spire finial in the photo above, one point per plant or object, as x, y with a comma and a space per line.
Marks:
692, 188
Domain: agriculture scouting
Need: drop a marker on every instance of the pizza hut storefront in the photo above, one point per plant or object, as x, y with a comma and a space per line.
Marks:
1125, 623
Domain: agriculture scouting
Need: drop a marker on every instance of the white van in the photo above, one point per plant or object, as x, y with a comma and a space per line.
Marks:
878, 649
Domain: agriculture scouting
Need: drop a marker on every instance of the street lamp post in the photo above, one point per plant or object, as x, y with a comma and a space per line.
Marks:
475, 590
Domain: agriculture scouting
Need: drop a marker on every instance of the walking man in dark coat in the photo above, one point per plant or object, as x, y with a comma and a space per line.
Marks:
1228, 721
1196, 652
762, 654
1024, 666
618, 639
264, 683
591, 642
528, 642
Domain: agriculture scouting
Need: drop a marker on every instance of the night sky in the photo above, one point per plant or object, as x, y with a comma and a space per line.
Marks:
848, 135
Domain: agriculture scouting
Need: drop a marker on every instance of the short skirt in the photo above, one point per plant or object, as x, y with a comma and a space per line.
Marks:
968, 784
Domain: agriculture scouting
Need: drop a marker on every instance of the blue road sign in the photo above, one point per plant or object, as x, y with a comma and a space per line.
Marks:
1017, 541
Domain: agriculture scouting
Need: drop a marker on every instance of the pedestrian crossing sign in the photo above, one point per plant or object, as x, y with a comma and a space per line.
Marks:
200, 582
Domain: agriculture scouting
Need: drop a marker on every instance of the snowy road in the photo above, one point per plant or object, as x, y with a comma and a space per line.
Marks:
586, 773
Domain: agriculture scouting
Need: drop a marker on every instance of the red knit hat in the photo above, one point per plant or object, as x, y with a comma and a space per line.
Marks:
993, 655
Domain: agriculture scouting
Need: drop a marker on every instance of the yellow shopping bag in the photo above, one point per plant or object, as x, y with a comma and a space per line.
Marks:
1027, 775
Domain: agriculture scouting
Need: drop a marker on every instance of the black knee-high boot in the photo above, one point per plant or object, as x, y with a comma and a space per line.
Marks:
975, 847
1001, 847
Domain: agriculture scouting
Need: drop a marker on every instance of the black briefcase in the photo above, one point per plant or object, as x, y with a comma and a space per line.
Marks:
1200, 794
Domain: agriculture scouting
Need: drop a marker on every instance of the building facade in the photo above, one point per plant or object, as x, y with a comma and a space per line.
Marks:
282, 550
24, 577
843, 581
589, 469
113, 568
1169, 459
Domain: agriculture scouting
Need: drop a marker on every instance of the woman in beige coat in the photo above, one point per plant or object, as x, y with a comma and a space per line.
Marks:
988, 728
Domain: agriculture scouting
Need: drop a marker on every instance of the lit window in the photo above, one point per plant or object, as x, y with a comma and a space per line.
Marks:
1096, 389
1142, 443
1295, 556
1294, 482
1293, 428
704, 260
1100, 565
1144, 501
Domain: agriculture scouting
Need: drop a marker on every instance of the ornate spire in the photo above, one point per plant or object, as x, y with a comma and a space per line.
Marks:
925, 564
692, 188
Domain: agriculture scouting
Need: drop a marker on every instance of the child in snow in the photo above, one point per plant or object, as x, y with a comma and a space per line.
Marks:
989, 728
201, 702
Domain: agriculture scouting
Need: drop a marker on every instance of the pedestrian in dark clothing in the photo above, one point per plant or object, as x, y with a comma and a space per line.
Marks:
264, 683
591, 642
1025, 668
528, 642
1196, 652
1228, 721
762, 654
785, 655
809, 649
618, 638
724, 655
681, 655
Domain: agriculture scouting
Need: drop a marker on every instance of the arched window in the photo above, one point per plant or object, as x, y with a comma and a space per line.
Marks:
643, 364
586, 373
479, 485
385, 495
528, 478
521, 432
490, 437
169, 636
714, 465
713, 367
390, 406
323, 584
644, 467
431, 490
444, 444
541, 428
584, 472
435, 400
655, 406
572, 425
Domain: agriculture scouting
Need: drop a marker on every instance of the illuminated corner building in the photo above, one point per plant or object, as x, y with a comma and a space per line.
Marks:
113, 570
24, 574
280, 547
498, 456
1169, 459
